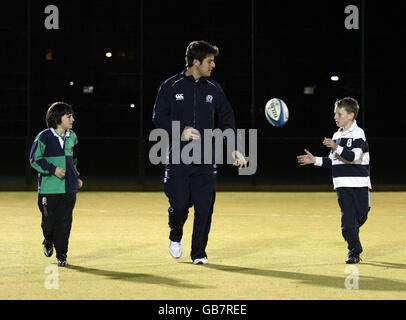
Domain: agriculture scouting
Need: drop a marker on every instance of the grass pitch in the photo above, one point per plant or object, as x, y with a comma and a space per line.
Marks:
262, 245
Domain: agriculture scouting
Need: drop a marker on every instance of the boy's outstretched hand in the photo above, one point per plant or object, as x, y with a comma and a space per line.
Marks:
329, 143
307, 158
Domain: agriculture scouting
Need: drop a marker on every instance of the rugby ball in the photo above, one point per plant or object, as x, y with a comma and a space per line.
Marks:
276, 112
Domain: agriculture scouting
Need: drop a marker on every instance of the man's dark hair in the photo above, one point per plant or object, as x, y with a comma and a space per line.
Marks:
349, 104
55, 113
199, 50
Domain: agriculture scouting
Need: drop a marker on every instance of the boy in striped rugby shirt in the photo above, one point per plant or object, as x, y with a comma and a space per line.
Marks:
54, 156
349, 160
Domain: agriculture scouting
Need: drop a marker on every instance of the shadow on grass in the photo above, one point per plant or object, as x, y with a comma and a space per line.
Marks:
136, 277
365, 282
388, 265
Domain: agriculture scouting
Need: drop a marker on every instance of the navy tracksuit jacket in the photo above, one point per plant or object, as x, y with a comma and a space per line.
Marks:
201, 105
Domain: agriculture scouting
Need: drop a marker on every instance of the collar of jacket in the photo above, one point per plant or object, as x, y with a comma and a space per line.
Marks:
56, 134
202, 79
352, 128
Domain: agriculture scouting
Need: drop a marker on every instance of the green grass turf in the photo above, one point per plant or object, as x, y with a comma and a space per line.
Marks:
263, 245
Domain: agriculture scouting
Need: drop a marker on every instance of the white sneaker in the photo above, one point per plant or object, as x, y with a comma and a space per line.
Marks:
175, 249
201, 261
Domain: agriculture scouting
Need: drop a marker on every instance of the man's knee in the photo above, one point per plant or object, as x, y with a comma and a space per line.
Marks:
178, 215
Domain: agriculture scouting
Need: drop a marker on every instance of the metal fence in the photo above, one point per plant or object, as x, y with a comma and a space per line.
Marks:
109, 58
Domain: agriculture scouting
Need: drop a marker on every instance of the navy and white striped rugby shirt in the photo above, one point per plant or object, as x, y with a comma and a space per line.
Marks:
350, 162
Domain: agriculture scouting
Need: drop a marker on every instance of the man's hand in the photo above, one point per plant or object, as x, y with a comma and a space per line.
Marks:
330, 143
239, 159
59, 172
190, 133
80, 183
307, 158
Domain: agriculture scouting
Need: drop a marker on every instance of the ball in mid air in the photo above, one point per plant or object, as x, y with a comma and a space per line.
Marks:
276, 112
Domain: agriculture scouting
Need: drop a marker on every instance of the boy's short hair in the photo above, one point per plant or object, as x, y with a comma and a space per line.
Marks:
199, 50
349, 104
55, 112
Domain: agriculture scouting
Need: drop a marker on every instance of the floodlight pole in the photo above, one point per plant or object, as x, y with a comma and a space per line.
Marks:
252, 75
141, 142
363, 78
28, 171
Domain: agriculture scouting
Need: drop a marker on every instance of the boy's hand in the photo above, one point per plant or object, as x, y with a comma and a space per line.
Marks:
330, 143
307, 158
80, 183
59, 172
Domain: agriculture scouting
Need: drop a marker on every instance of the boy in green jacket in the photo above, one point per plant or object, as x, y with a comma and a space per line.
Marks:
54, 156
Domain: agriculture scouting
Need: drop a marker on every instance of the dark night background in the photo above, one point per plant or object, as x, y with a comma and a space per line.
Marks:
295, 45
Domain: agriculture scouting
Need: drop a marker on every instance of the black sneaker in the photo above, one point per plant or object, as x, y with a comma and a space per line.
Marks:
48, 248
62, 260
353, 260
63, 263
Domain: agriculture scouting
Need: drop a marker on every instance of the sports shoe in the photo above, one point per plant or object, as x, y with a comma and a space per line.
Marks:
175, 248
353, 260
63, 263
48, 248
200, 261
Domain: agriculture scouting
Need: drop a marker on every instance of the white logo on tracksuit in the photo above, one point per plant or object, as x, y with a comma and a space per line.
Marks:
179, 96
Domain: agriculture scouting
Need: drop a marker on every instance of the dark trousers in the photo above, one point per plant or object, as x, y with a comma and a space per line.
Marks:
57, 210
187, 186
355, 205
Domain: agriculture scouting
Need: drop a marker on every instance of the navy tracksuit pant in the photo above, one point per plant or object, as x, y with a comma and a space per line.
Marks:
57, 211
187, 186
355, 205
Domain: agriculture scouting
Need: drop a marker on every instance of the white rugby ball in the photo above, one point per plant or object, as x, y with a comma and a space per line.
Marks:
276, 112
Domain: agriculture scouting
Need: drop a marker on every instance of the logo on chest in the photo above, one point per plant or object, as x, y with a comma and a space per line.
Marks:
179, 96
209, 98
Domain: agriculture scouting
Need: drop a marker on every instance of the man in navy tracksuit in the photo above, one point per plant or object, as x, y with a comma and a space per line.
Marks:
193, 100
